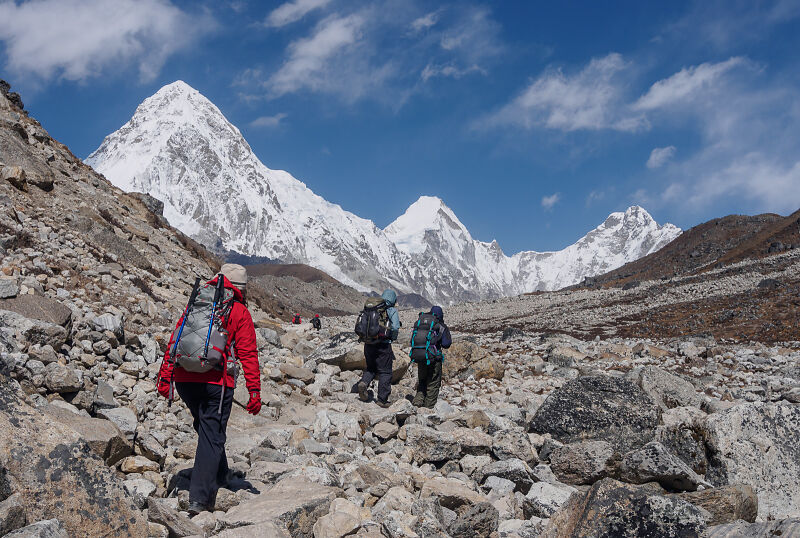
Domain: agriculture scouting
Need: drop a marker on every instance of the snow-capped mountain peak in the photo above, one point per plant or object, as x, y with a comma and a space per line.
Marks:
427, 214
180, 148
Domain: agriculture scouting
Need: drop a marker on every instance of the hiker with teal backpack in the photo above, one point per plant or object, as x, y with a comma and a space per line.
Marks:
378, 326
429, 338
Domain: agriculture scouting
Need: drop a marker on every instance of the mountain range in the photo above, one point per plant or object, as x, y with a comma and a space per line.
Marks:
179, 148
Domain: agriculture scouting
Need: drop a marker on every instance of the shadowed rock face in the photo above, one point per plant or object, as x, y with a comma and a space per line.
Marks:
613, 509
58, 475
598, 408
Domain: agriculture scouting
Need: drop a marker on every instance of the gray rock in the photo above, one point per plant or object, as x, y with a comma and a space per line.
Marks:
585, 462
12, 514
110, 322
666, 389
50, 528
34, 331
543, 499
725, 504
513, 444
682, 434
479, 521
756, 444
653, 463
103, 436
741, 529
514, 470
104, 396
610, 508
159, 511
429, 445
8, 287
293, 504
598, 408
56, 472
139, 489
60, 378
123, 417
149, 447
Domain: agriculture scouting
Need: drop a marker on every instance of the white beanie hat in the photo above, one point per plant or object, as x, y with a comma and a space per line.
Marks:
235, 273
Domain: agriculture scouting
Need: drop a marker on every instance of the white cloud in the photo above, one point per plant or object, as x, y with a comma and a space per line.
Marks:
80, 39
292, 12
269, 121
549, 201
372, 52
308, 65
591, 99
425, 22
685, 84
660, 156
432, 71
756, 177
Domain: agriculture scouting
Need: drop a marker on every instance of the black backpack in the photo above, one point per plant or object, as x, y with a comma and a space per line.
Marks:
372, 325
426, 328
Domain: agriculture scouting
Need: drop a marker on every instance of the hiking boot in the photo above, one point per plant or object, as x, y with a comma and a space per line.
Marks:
362, 391
383, 403
195, 508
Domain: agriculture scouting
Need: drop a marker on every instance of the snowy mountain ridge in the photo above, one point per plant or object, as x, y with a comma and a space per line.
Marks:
180, 148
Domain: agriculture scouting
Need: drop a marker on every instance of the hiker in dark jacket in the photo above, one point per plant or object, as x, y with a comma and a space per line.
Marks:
202, 392
429, 375
316, 322
380, 356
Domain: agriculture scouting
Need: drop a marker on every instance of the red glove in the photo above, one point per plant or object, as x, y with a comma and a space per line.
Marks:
163, 387
254, 405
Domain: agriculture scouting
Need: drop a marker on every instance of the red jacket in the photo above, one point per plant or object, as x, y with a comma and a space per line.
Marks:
240, 330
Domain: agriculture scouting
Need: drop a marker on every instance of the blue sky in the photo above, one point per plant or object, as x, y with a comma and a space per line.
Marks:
532, 120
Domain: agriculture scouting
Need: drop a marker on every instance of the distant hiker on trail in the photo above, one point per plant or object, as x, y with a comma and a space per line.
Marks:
215, 331
378, 326
428, 340
296, 319
316, 322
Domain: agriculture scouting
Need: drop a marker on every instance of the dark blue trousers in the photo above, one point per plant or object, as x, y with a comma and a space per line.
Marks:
210, 463
379, 364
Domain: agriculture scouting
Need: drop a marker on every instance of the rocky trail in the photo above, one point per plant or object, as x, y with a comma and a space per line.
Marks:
561, 414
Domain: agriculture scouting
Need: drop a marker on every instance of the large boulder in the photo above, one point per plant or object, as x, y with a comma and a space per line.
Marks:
451, 493
465, 359
613, 509
585, 462
61, 378
34, 331
294, 504
757, 444
666, 389
429, 445
598, 408
58, 474
478, 521
102, 436
725, 504
40, 308
653, 463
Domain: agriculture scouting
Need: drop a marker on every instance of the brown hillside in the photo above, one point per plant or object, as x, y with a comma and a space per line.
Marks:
300, 271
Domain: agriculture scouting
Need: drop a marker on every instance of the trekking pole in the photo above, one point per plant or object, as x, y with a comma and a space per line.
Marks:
217, 293
174, 351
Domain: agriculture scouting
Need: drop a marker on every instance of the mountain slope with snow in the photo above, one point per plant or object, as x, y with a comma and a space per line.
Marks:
180, 148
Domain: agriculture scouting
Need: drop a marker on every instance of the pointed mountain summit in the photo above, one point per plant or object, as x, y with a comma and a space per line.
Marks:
180, 148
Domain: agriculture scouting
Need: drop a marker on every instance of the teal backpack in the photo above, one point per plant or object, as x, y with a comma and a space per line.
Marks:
423, 347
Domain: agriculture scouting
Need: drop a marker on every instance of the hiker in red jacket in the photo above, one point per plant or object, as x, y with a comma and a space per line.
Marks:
209, 395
